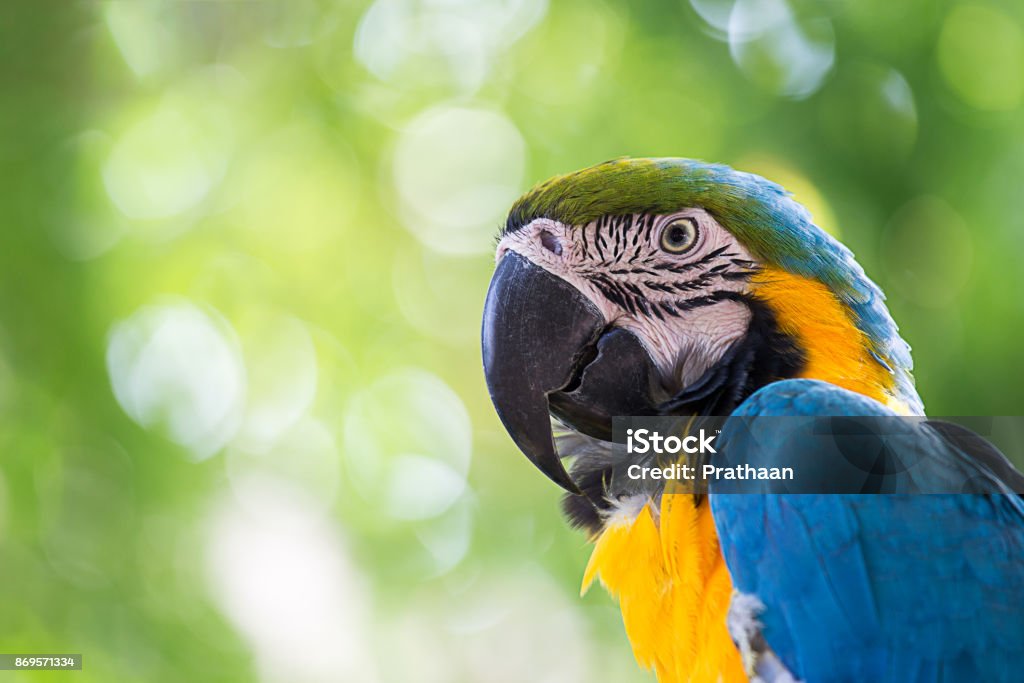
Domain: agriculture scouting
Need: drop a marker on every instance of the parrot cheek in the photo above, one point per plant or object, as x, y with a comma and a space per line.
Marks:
547, 349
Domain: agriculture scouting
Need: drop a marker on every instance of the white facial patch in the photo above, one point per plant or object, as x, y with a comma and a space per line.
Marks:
684, 307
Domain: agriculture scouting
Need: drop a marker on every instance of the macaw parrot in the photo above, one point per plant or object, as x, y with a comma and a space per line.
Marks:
645, 287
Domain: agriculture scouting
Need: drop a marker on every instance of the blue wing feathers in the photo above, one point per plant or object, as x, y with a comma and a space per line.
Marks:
879, 587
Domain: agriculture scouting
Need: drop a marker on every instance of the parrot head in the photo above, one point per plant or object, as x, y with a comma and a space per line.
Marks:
671, 287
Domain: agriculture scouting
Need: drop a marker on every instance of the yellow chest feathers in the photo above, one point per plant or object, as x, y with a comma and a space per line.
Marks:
667, 572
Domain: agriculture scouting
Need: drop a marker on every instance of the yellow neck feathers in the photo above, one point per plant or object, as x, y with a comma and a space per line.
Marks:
836, 350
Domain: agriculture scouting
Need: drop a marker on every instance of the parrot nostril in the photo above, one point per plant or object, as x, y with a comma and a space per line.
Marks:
550, 242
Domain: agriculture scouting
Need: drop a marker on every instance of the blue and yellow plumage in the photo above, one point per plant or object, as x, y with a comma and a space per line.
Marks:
853, 588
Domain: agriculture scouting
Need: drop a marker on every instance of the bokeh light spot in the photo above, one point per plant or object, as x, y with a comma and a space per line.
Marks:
396, 424
422, 487
457, 170
981, 57
167, 162
140, 34
715, 12
417, 41
778, 50
281, 574
178, 367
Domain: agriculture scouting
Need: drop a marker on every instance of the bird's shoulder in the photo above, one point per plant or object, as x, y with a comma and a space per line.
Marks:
795, 397
876, 587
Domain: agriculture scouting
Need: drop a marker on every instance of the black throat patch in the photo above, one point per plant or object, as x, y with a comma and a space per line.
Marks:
765, 354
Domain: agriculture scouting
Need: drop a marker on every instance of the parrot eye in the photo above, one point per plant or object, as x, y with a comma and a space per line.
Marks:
679, 236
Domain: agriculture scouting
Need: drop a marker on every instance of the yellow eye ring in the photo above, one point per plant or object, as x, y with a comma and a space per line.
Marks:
679, 236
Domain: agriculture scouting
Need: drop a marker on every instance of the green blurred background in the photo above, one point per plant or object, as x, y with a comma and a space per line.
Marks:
245, 247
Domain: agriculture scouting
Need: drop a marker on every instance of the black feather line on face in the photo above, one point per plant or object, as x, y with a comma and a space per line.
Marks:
615, 293
708, 300
636, 270
620, 236
633, 289
697, 283
609, 289
702, 261
735, 275
668, 308
629, 237
658, 286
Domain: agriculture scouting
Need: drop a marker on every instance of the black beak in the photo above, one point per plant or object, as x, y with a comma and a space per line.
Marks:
544, 352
